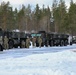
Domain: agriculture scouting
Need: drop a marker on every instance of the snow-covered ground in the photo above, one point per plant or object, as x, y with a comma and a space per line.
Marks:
39, 61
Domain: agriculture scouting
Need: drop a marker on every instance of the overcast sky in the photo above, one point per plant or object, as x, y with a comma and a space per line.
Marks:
18, 3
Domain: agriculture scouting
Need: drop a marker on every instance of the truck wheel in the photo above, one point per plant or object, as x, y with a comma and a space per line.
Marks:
51, 43
1, 48
15, 46
11, 44
62, 43
46, 44
65, 43
70, 43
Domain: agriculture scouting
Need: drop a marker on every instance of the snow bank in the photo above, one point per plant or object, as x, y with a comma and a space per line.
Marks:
58, 63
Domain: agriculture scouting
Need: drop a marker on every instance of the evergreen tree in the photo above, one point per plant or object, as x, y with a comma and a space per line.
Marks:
4, 15
28, 17
72, 18
21, 15
55, 14
59, 11
7, 16
15, 16
63, 12
45, 19
37, 17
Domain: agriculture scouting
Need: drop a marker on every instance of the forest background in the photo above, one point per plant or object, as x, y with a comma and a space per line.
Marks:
57, 18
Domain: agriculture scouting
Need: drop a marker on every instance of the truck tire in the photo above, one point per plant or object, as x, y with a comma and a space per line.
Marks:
51, 43
15, 46
11, 44
70, 43
65, 43
1, 48
62, 43
46, 43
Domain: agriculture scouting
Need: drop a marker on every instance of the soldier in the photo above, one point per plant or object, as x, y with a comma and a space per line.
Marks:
39, 41
23, 44
1, 43
33, 41
27, 42
5, 42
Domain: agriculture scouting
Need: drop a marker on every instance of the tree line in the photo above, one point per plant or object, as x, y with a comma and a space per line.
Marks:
55, 19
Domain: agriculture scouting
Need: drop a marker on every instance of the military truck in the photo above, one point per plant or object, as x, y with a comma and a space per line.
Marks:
54, 39
16, 38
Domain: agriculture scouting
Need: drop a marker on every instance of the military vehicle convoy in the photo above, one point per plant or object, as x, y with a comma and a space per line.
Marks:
48, 38
53, 39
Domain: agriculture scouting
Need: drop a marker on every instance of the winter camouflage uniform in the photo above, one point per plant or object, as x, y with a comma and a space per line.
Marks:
27, 42
39, 41
5, 42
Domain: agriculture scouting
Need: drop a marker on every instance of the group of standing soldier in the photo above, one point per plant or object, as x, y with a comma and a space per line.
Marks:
34, 41
25, 44
3, 43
